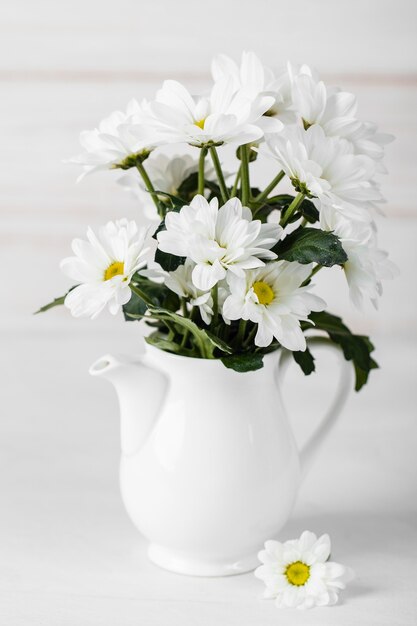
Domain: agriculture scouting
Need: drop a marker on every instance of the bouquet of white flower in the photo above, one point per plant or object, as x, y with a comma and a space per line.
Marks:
230, 278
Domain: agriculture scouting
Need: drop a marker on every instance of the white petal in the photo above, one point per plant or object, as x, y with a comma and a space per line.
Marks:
205, 276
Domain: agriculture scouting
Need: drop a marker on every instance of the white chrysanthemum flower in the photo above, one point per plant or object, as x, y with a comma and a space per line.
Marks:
104, 265
219, 241
253, 78
367, 265
325, 169
180, 282
113, 142
365, 139
336, 112
273, 298
226, 116
298, 574
333, 110
167, 174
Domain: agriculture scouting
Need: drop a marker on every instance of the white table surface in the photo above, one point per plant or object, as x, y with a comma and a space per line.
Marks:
70, 556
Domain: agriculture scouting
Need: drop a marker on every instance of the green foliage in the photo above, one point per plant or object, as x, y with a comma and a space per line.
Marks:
168, 262
188, 188
162, 341
190, 336
214, 190
160, 305
247, 362
189, 185
173, 203
311, 245
134, 309
356, 348
218, 343
305, 360
205, 341
56, 302
306, 209
156, 293
281, 203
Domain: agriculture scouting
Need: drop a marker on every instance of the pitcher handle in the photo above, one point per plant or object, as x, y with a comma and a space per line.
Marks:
311, 447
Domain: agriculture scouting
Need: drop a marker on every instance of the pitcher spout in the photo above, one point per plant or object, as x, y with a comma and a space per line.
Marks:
141, 391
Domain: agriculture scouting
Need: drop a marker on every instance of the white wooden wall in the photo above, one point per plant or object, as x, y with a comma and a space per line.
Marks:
64, 65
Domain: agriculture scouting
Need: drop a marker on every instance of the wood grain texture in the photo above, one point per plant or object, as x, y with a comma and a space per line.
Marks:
167, 38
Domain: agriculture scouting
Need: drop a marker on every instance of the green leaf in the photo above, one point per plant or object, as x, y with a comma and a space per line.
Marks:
168, 262
188, 188
205, 341
219, 343
157, 293
306, 208
189, 185
309, 211
305, 360
161, 340
311, 245
281, 203
361, 375
170, 301
134, 309
214, 189
176, 203
244, 362
356, 348
56, 302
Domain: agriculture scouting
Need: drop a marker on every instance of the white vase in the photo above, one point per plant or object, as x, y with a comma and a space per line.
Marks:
209, 467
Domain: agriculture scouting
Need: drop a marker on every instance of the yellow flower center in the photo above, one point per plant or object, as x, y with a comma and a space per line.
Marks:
272, 112
297, 573
200, 123
116, 268
264, 292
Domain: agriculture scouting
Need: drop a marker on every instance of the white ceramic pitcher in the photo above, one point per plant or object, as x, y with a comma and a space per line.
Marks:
209, 467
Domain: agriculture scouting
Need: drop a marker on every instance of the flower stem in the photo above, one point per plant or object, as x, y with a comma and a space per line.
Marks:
150, 188
215, 296
236, 183
274, 182
251, 335
201, 163
184, 339
142, 295
241, 332
292, 208
244, 168
219, 172
184, 309
313, 272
